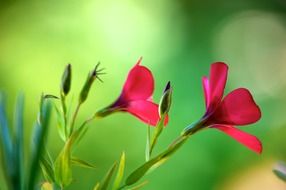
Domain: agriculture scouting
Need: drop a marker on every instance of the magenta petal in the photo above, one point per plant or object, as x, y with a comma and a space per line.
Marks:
237, 108
217, 81
139, 84
146, 111
206, 88
244, 138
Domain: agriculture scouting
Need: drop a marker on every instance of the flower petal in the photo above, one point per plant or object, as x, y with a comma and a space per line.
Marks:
206, 88
146, 111
217, 81
242, 137
237, 108
139, 84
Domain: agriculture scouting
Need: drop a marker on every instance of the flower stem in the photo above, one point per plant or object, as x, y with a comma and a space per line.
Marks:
64, 107
193, 128
74, 118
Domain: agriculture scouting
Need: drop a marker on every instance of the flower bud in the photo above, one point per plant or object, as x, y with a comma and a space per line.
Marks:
166, 100
90, 78
66, 80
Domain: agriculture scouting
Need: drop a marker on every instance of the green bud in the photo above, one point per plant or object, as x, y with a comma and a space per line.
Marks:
66, 80
166, 100
90, 78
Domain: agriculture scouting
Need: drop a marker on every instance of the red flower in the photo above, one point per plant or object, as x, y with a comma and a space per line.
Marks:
237, 108
136, 96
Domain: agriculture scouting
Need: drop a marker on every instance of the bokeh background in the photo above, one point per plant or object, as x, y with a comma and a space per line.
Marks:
178, 41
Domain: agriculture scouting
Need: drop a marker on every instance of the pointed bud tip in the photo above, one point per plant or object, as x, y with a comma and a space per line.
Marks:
168, 86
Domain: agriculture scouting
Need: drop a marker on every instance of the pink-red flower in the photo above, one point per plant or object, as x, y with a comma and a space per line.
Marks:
136, 96
238, 108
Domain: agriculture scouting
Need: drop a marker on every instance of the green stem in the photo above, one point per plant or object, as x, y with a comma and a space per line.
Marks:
64, 107
88, 120
74, 118
193, 128
157, 133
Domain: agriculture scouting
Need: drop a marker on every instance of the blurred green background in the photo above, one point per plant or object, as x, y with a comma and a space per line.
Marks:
178, 41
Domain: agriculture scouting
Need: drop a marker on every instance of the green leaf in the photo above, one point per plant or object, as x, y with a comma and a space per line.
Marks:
120, 172
39, 137
97, 186
83, 131
60, 124
139, 186
105, 182
142, 170
48, 169
81, 163
63, 172
6, 141
50, 96
19, 143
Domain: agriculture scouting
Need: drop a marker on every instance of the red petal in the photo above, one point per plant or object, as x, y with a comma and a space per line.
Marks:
237, 108
206, 88
146, 111
242, 137
217, 81
139, 84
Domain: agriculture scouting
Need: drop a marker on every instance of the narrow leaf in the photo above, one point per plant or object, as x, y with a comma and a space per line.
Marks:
19, 142
97, 186
120, 172
50, 96
105, 182
6, 141
39, 136
81, 163
139, 186
60, 124
143, 169
63, 172
48, 169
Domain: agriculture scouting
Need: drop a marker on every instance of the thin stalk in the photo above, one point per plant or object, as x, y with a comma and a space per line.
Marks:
64, 107
74, 118
88, 120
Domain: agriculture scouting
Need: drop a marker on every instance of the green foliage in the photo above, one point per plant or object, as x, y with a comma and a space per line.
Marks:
107, 179
81, 163
155, 162
39, 140
13, 149
120, 173
63, 170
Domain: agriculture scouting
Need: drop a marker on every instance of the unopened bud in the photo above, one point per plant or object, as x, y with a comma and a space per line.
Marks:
66, 80
86, 88
166, 100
